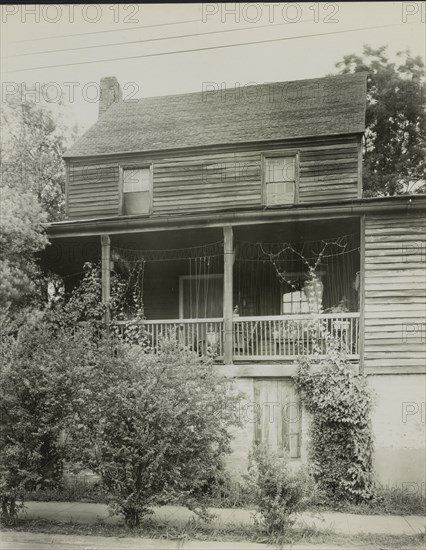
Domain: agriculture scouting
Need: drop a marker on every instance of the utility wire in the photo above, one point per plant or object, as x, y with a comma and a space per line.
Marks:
155, 39
110, 30
203, 49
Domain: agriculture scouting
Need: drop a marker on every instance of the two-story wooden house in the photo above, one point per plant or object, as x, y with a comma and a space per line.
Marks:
219, 204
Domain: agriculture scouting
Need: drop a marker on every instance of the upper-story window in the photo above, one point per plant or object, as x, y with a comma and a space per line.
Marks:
280, 180
137, 190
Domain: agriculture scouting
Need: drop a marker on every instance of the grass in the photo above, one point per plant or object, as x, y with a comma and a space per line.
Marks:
198, 530
76, 491
392, 500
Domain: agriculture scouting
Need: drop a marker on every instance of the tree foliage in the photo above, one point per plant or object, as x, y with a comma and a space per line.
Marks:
34, 139
395, 140
21, 237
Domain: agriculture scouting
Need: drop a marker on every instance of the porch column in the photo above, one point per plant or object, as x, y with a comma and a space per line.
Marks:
106, 273
228, 308
361, 325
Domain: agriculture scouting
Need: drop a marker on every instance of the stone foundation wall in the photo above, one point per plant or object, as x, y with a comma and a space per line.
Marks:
399, 429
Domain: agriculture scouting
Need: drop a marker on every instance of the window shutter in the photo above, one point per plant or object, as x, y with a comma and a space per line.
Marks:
278, 415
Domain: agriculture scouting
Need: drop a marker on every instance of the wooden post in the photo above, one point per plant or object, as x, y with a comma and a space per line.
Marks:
106, 274
228, 307
361, 335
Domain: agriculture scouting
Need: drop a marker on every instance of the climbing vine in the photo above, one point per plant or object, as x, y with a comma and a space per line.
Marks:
337, 397
340, 403
84, 305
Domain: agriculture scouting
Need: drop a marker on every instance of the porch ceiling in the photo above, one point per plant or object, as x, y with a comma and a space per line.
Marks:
297, 231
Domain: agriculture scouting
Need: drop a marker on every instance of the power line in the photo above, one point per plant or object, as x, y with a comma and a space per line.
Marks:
110, 30
156, 39
203, 49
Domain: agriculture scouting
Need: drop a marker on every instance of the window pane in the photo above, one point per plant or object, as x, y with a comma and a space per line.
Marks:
295, 302
137, 203
280, 193
289, 169
136, 180
280, 169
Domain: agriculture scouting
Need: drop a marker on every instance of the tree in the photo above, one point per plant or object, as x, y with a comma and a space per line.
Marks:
395, 140
21, 237
33, 142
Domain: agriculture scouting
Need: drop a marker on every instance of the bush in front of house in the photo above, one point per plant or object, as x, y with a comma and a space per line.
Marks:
153, 426
278, 493
37, 384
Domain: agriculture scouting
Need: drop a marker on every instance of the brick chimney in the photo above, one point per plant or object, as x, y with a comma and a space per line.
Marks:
110, 93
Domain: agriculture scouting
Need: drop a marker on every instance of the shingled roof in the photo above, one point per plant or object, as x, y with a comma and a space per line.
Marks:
281, 110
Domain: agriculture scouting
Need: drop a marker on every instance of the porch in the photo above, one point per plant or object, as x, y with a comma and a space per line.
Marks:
239, 294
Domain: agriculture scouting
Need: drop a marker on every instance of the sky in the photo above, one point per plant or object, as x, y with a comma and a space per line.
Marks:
75, 34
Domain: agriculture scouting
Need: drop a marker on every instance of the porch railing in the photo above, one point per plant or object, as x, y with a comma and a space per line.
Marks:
271, 337
288, 336
201, 335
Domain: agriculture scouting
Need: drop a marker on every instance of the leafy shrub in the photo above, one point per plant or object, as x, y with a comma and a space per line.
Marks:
341, 437
37, 382
227, 492
278, 493
151, 425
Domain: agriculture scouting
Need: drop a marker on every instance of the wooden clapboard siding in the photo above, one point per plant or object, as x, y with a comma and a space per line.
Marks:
209, 182
330, 174
92, 190
395, 293
214, 179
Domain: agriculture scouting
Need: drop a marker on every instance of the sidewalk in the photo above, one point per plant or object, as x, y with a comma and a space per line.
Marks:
348, 524
37, 541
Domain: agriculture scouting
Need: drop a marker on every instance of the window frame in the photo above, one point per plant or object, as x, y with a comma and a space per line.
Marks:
276, 154
139, 166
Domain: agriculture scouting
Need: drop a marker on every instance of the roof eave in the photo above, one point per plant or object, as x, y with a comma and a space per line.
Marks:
201, 148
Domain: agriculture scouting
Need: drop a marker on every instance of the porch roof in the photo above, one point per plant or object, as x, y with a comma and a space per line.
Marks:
134, 224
